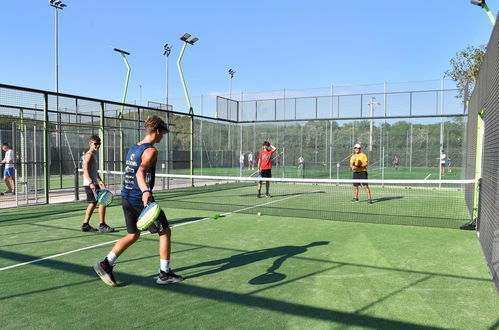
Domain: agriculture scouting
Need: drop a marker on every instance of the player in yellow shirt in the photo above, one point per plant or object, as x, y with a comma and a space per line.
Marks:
358, 164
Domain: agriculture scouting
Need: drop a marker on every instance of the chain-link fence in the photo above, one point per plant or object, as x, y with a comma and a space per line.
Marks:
483, 154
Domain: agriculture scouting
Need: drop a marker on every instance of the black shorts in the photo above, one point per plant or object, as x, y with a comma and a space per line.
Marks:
360, 176
266, 173
90, 194
132, 215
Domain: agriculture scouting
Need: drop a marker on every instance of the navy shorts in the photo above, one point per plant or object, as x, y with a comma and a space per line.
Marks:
132, 213
9, 172
90, 194
360, 176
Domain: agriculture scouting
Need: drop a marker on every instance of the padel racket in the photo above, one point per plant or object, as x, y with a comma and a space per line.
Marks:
148, 215
104, 197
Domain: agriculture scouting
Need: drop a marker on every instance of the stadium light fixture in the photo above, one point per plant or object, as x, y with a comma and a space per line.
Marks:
123, 54
483, 4
185, 37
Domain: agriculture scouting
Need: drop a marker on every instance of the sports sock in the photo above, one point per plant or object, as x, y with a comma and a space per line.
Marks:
164, 265
111, 258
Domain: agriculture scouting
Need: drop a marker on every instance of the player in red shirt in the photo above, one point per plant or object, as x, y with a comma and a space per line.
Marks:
265, 166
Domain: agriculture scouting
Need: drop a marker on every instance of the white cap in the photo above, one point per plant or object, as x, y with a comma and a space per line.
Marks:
357, 146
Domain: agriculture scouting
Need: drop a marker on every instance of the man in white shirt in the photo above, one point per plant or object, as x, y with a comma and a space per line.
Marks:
9, 172
443, 159
251, 160
301, 161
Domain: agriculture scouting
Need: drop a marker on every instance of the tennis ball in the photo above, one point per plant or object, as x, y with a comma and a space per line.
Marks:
216, 216
259, 214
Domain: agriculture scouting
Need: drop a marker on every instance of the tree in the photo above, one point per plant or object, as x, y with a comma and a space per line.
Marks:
465, 68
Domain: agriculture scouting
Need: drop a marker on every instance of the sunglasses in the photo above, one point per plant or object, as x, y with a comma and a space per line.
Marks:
96, 144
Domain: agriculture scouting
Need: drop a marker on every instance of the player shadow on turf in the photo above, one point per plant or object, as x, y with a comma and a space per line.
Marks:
242, 259
384, 199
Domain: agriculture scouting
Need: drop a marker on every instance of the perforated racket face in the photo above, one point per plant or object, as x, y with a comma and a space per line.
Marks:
105, 197
148, 216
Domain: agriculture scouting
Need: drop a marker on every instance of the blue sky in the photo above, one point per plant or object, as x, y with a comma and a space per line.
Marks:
271, 44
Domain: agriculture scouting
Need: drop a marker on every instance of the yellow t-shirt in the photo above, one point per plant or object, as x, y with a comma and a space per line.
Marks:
358, 160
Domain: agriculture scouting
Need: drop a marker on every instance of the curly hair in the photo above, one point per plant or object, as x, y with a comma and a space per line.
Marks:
94, 138
154, 123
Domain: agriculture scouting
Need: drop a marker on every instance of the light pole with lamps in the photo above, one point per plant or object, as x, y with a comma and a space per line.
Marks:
486, 8
371, 104
166, 52
231, 73
58, 5
120, 116
185, 39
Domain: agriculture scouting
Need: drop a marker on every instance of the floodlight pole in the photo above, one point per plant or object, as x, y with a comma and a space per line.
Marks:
483, 4
58, 5
120, 116
371, 104
167, 50
185, 38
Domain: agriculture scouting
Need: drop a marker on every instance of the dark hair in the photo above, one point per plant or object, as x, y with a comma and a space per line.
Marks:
266, 143
94, 138
5, 144
154, 123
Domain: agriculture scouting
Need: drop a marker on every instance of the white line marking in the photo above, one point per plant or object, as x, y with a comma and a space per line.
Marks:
113, 241
427, 176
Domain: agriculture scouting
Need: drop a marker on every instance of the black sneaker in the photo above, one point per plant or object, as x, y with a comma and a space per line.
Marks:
104, 228
87, 228
259, 195
354, 200
105, 272
168, 278
369, 201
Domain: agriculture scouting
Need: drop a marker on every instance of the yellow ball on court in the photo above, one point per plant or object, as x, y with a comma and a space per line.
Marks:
259, 214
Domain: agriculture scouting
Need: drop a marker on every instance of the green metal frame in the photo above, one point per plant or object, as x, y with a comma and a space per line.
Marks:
45, 147
478, 160
122, 107
191, 113
487, 10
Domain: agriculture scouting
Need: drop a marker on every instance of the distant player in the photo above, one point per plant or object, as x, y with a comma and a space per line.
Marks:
265, 166
251, 160
443, 161
138, 183
9, 171
93, 183
358, 164
395, 162
241, 161
301, 162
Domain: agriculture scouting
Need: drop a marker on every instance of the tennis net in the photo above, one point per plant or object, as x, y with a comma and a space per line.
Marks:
432, 203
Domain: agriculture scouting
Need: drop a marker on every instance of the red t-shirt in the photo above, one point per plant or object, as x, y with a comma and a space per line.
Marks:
265, 157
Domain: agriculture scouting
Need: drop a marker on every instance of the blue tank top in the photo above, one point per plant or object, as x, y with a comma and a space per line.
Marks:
131, 190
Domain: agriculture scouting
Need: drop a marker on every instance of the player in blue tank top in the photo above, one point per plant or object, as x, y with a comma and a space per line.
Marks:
138, 183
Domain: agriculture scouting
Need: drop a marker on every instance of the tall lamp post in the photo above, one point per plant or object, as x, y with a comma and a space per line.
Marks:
185, 39
58, 5
486, 8
166, 52
120, 116
231, 73
372, 104
229, 108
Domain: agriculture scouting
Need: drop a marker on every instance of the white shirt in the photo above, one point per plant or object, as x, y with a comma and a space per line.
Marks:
300, 160
9, 159
241, 158
250, 157
442, 158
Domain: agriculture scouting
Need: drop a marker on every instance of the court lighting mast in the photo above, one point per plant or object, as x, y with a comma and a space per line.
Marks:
486, 8
231, 73
185, 39
123, 54
166, 52
372, 104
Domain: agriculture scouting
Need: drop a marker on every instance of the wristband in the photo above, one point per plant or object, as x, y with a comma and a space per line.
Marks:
147, 190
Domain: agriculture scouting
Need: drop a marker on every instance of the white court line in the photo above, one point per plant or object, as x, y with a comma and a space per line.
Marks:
113, 241
427, 176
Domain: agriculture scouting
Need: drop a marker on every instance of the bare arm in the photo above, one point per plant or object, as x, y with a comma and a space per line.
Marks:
148, 158
88, 158
259, 161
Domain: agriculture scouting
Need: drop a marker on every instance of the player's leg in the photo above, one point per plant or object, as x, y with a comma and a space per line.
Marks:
368, 191
267, 189
6, 180
161, 226
259, 189
92, 203
103, 227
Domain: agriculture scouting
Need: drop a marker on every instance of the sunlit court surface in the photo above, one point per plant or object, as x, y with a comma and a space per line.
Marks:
262, 271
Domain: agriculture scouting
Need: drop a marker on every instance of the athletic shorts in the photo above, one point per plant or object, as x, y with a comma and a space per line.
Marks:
360, 176
9, 172
132, 215
266, 173
90, 194
442, 164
